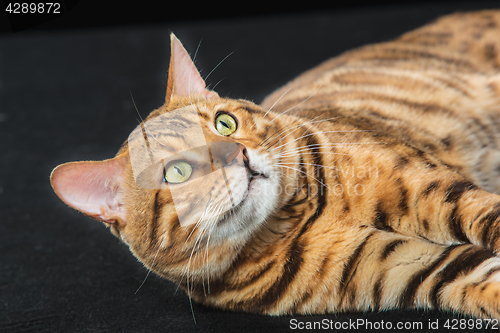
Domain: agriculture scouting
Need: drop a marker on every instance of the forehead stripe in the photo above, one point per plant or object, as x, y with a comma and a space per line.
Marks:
145, 135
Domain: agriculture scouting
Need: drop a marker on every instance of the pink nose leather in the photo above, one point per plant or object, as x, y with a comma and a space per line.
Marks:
238, 154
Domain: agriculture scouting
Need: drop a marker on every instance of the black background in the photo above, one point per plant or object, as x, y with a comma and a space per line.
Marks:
65, 94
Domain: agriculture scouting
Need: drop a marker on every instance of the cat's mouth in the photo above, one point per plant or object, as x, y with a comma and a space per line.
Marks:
253, 176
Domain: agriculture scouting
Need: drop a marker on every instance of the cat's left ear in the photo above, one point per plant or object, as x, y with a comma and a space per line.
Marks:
93, 188
183, 77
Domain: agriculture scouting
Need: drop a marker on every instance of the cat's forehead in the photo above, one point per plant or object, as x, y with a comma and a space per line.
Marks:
164, 135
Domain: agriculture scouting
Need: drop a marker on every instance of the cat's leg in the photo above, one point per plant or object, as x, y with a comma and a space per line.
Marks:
451, 210
432, 201
388, 271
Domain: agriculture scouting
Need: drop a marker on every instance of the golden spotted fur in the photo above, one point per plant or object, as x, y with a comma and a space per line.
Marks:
384, 164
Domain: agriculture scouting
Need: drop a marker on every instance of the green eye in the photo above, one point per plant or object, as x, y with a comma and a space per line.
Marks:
225, 124
178, 172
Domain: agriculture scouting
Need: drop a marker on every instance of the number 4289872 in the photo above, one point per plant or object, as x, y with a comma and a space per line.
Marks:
33, 8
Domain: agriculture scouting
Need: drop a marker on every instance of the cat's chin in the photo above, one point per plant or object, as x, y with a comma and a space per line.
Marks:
257, 204
254, 184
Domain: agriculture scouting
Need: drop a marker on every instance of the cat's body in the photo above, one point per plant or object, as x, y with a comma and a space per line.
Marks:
365, 184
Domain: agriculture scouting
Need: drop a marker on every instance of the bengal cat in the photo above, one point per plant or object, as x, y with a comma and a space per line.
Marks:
367, 183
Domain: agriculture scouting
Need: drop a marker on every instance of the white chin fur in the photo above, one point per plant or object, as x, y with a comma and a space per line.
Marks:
255, 201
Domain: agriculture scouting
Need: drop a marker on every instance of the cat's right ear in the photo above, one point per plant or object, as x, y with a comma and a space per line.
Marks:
93, 188
184, 79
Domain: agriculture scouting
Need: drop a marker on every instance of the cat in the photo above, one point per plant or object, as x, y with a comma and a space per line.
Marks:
367, 183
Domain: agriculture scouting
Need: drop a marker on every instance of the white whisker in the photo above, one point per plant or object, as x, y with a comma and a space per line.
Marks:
196, 244
150, 267
144, 123
202, 216
197, 48
305, 152
295, 150
337, 144
297, 104
303, 163
220, 62
321, 132
312, 121
211, 226
272, 106
321, 166
286, 130
307, 174
217, 84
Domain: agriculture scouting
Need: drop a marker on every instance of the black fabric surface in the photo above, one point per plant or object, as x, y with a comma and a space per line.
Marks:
66, 95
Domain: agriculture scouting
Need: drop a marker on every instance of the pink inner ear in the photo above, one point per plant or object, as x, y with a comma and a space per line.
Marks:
187, 79
184, 79
92, 188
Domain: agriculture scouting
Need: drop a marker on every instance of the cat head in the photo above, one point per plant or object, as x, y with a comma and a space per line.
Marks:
192, 183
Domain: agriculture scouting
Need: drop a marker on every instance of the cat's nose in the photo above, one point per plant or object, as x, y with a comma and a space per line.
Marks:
238, 154
226, 153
